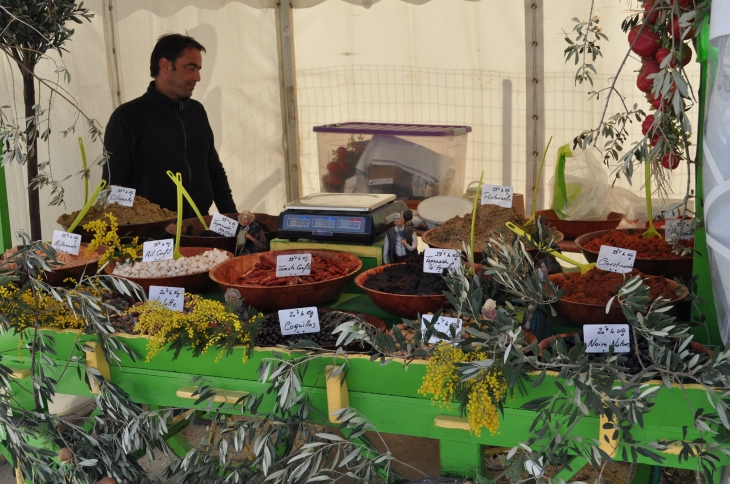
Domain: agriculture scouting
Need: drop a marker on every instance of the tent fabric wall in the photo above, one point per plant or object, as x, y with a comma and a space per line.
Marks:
445, 62
239, 89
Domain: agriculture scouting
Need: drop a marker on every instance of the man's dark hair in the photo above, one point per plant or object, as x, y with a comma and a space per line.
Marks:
171, 47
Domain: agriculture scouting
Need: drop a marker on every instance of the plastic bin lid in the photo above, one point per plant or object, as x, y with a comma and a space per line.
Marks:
393, 129
441, 208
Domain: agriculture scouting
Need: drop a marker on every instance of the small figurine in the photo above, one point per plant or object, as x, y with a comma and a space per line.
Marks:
401, 242
489, 310
250, 238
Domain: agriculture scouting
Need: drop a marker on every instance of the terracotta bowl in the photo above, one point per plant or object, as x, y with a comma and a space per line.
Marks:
669, 268
573, 229
274, 298
267, 222
145, 231
578, 314
478, 255
401, 305
56, 276
195, 283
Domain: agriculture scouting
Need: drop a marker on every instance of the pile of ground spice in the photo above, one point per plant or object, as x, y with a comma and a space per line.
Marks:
407, 279
489, 217
598, 286
142, 212
646, 248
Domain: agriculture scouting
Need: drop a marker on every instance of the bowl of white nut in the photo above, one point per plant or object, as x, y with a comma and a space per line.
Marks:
189, 272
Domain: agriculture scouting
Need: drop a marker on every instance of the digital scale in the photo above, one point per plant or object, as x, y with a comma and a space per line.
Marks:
340, 217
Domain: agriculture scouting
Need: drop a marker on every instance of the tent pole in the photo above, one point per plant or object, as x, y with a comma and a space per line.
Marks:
535, 89
112, 53
287, 82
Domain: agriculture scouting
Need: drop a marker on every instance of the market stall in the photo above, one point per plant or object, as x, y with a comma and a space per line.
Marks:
296, 332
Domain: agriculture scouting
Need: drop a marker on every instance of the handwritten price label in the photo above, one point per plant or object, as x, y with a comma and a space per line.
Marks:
599, 337
614, 259
673, 228
441, 325
299, 321
157, 250
293, 265
122, 196
66, 242
172, 297
226, 226
436, 260
497, 195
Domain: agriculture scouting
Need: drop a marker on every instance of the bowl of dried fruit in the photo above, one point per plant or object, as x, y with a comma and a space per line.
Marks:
254, 276
73, 267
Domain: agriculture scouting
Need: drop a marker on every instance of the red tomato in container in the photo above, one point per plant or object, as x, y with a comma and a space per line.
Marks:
643, 40
333, 167
334, 180
341, 153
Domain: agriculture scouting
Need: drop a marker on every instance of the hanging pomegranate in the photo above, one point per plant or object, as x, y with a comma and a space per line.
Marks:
643, 40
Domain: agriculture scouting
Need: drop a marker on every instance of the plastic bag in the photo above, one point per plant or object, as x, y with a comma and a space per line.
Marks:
580, 186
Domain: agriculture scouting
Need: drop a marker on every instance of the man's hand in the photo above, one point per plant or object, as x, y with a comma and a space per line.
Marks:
403, 241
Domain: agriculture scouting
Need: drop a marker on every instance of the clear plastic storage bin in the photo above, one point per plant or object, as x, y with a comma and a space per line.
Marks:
413, 161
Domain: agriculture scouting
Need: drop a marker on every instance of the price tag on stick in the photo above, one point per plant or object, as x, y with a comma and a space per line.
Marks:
172, 297
299, 321
673, 228
293, 265
436, 260
157, 250
614, 259
122, 196
497, 195
226, 226
66, 242
442, 325
599, 337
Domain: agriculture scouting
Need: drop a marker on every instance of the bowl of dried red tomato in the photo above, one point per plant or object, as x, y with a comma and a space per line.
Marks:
255, 277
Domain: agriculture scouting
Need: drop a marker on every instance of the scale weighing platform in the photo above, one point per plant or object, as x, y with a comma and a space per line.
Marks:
340, 217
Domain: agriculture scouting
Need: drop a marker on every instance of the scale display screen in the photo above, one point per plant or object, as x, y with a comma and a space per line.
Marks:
323, 223
297, 222
349, 224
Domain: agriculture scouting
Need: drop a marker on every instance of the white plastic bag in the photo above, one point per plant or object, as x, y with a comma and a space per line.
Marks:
580, 186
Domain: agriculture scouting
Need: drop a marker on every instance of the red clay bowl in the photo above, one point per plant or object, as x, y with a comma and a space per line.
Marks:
573, 229
401, 305
149, 230
195, 283
478, 255
578, 314
274, 298
669, 268
267, 222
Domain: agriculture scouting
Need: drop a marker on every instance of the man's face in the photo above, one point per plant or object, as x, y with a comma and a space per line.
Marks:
179, 77
400, 222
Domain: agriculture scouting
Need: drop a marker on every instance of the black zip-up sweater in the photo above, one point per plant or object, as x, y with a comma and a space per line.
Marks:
152, 134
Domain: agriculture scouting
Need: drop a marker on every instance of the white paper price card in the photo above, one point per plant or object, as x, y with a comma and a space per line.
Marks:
226, 226
172, 297
614, 259
442, 325
293, 265
298, 321
121, 195
436, 260
673, 228
497, 195
599, 337
157, 250
66, 242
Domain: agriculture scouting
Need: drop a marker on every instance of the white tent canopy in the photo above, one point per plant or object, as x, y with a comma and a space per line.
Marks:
445, 62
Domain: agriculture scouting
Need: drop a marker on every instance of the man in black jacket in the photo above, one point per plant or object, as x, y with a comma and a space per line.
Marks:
166, 130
